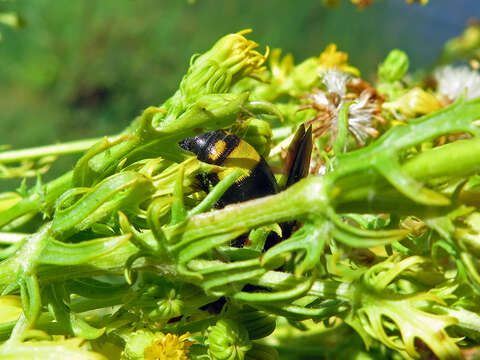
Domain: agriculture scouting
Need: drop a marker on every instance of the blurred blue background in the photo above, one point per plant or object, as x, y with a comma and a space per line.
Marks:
86, 68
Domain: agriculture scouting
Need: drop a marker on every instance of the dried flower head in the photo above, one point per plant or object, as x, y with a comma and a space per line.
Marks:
336, 82
363, 114
453, 81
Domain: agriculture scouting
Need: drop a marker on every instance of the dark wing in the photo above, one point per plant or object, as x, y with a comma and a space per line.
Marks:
299, 155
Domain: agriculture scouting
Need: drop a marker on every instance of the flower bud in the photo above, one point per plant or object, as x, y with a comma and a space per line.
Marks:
231, 58
305, 75
228, 340
415, 102
136, 344
257, 133
168, 307
258, 323
394, 67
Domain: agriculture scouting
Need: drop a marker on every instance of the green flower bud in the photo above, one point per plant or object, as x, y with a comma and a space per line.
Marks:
261, 352
394, 67
152, 291
258, 323
257, 133
415, 102
168, 307
228, 340
390, 90
232, 58
305, 75
136, 343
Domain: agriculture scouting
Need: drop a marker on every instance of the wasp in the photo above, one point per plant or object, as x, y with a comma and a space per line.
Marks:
230, 152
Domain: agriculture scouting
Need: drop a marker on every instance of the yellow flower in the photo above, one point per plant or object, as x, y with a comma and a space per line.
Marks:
231, 58
362, 4
423, 2
168, 347
280, 67
330, 59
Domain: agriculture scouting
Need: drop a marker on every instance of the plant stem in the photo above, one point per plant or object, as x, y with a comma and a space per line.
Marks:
8, 238
66, 148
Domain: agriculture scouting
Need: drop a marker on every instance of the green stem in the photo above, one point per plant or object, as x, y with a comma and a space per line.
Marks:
325, 289
209, 201
368, 191
455, 160
339, 146
67, 148
36, 202
384, 156
303, 198
8, 238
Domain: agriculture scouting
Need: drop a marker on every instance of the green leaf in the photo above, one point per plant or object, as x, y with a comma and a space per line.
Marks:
124, 190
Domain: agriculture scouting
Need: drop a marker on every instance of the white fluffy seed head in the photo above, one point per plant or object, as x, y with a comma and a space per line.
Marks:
361, 121
453, 81
336, 81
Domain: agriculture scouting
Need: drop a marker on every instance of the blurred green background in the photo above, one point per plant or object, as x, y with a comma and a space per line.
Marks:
86, 68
